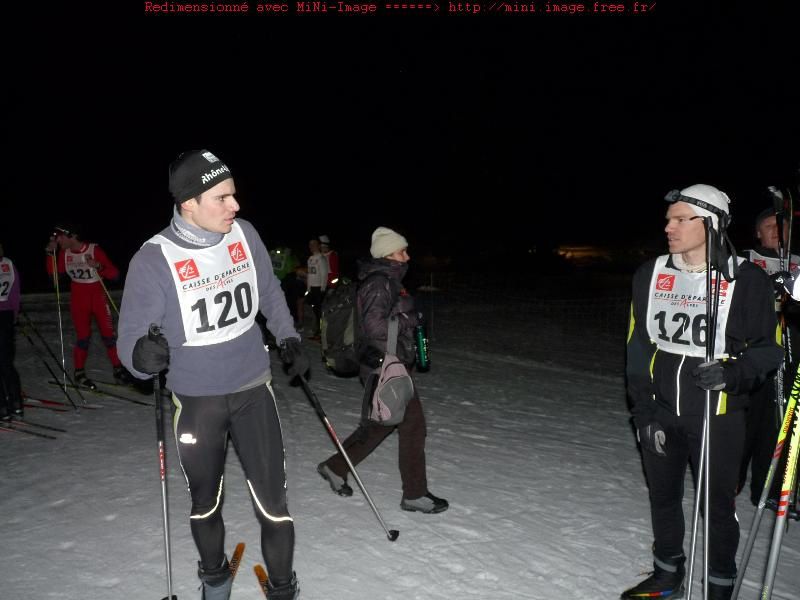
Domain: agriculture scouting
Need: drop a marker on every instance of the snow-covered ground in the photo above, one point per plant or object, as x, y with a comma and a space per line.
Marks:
534, 453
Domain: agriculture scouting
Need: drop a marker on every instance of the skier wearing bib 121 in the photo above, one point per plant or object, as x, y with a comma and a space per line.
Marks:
667, 379
86, 265
201, 281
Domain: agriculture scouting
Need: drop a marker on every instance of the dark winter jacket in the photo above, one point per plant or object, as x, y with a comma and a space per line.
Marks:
656, 377
380, 295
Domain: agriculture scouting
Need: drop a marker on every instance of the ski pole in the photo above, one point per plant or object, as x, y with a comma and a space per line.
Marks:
789, 480
67, 378
38, 353
60, 324
712, 299
110, 299
762, 501
390, 533
162, 464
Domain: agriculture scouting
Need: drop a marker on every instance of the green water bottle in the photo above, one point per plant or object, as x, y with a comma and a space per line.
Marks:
421, 338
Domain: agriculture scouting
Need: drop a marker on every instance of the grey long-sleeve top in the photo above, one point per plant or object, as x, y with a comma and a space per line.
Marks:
151, 296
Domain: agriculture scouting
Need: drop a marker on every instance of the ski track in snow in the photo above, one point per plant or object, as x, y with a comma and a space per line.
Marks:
537, 459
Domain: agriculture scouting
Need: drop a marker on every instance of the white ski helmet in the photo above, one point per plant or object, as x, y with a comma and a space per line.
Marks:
706, 201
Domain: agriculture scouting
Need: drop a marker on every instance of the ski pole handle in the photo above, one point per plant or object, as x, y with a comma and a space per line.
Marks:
154, 331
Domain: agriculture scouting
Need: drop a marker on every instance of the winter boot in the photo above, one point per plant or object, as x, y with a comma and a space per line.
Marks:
428, 504
720, 587
338, 484
122, 377
4, 414
217, 583
81, 380
286, 591
665, 582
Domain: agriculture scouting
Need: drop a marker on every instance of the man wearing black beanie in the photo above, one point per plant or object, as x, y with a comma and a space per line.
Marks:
202, 280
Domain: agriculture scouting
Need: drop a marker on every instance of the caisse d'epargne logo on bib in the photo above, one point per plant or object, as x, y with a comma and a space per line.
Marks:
237, 252
665, 282
186, 269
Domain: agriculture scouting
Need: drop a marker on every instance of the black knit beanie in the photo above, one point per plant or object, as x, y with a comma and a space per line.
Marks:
194, 172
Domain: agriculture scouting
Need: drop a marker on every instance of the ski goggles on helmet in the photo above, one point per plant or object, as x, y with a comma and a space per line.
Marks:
676, 196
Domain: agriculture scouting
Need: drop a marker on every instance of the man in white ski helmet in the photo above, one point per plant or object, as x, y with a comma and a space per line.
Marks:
668, 376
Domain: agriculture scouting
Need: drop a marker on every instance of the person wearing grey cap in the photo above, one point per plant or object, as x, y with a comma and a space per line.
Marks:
669, 381
201, 281
763, 414
380, 296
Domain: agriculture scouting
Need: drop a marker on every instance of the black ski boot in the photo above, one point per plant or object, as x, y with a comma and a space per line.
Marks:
286, 591
17, 409
122, 377
81, 380
217, 583
665, 582
720, 587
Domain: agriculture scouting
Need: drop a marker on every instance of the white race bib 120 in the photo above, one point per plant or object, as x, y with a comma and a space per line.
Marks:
217, 287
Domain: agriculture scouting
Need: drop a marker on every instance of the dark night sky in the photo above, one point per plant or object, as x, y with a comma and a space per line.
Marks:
336, 125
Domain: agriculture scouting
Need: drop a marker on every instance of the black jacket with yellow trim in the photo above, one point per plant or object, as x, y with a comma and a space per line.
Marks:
659, 378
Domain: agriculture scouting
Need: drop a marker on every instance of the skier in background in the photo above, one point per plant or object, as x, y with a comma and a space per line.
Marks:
762, 422
10, 389
316, 283
332, 256
86, 265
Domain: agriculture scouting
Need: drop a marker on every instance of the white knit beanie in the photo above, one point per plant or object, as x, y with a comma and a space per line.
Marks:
386, 242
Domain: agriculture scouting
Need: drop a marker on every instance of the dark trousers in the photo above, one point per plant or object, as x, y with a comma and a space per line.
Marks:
10, 391
760, 439
412, 432
314, 298
665, 478
202, 427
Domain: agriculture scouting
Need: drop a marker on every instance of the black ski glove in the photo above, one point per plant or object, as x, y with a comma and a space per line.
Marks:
652, 438
710, 376
151, 354
783, 282
294, 358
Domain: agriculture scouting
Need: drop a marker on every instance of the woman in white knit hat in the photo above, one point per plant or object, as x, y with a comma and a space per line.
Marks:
381, 295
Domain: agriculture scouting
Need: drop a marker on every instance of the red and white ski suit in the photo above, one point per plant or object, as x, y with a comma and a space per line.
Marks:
88, 298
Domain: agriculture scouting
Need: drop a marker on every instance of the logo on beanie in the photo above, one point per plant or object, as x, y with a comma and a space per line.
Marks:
213, 174
186, 269
237, 252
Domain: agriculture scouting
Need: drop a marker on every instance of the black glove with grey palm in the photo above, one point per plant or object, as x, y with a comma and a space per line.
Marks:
783, 282
295, 361
711, 376
151, 354
652, 438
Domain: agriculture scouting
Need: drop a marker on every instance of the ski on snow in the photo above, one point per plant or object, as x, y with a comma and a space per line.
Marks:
55, 404
36, 424
102, 392
16, 428
262, 577
236, 559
